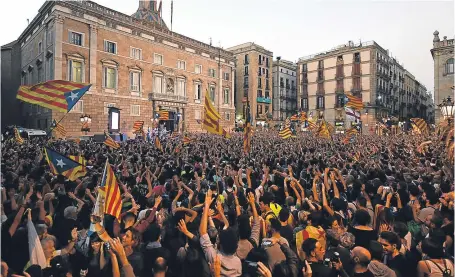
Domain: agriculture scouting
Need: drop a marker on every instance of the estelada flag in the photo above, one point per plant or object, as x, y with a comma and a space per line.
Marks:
56, 95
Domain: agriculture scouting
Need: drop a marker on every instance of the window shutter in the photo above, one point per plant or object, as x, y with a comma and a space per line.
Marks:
104, 76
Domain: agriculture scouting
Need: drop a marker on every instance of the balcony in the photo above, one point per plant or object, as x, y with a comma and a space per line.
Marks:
168, 97
263, 100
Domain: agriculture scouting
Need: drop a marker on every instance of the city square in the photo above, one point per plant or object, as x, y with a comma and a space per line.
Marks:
130, 148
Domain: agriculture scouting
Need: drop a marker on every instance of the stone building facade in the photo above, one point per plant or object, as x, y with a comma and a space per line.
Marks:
253, 81
365, 70
284, 89
443, 58
133, 63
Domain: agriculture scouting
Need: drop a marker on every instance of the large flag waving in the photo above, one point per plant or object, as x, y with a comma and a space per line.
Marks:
421, 124
18, 137
285, 133
65, 166
110, 187
303, 116
110, 141
323, 130
212, 118
56, 95
351, 114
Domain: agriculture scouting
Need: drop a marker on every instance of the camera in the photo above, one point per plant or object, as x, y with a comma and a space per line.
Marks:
335, 258
250, 267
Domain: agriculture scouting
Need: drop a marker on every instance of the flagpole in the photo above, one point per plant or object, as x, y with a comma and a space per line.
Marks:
51, 129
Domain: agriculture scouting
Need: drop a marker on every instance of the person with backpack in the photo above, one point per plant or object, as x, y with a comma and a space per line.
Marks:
435, 264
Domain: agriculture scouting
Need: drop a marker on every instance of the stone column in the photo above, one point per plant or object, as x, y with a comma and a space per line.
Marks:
58, 55
92, 58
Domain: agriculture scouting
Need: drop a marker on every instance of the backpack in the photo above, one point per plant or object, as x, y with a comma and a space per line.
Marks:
446, 272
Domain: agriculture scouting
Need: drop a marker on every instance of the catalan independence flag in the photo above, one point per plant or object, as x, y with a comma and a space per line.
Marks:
421, 124
59, 164
285, 133
18, 137
111, 190
323, 130
163, 115
56, 95
354, 102
110, 141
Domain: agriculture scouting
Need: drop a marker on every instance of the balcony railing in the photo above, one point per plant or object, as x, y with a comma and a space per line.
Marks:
168, 97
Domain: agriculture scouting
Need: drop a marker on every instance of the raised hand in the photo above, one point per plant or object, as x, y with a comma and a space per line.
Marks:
157, 201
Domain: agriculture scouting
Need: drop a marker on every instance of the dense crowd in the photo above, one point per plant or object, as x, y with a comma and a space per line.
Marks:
306, 206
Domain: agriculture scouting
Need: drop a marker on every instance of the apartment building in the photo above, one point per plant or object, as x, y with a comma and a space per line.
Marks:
134, 63
365, 70
253, 81
284, 89
443, 55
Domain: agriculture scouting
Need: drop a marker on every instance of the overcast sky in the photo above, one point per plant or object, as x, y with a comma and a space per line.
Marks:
290, 28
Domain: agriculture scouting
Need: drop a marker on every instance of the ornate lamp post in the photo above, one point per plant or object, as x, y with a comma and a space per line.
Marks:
447, 109
86, 120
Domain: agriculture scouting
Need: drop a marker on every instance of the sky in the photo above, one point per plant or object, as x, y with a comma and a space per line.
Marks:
290, 28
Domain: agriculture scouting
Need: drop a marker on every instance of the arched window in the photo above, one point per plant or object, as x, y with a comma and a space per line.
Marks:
449, 68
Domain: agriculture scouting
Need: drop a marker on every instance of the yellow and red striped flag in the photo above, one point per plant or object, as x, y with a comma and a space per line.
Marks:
285, 133
312, 126
138, 126
303, 117
18, 137
59, 128
323, 130
186, 140
109, 186
354, 102
110, 142
421, 124
56, 95
357, 156
295, 117
163, 115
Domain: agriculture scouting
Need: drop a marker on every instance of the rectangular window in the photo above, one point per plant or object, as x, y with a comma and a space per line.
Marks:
197, 91
226, 96
226, 76
135, 110
40, 74
198, 69
212, 72
259, 83
75, 38
247, 60
267, 62
267, 73
212, 93
259, 72
181, 87
228, 117
135, 81
107, 106
259, 109
181, 65
49, 37
304, 67
110, 77
320, 64
75, 71
281, 82
158, 84
266, 108
245, 82
304, 103
110, 47
357, 57
320, 103
260, 59
259, 93
136, 53
78, 107
197, 114
246, 70
158, 59
40, 47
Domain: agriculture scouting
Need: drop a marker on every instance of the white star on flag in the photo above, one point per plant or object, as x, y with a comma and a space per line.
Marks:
73, 96
60, 163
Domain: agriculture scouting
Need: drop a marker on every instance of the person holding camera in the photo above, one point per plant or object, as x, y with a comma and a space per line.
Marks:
314, 253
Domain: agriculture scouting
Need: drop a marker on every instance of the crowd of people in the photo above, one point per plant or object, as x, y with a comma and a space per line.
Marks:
305, 206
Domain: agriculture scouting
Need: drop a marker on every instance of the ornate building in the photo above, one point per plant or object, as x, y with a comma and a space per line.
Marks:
367, 71
134, 63
442, 53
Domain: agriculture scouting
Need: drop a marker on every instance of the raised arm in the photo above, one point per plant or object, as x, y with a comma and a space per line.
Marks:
315, 190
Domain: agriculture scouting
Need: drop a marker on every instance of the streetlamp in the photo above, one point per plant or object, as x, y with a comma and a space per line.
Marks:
86, 120
447, 109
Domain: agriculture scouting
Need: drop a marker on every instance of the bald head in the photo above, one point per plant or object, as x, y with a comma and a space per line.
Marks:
361, 255
160, 265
